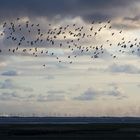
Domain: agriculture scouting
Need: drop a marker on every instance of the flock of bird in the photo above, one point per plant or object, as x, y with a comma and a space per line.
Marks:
30, 38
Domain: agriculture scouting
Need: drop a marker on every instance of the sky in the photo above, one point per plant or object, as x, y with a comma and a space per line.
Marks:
99, 87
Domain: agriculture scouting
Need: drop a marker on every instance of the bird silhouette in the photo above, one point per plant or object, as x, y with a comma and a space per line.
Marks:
68, 37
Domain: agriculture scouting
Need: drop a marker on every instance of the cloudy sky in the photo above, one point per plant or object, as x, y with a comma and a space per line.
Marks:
99, 87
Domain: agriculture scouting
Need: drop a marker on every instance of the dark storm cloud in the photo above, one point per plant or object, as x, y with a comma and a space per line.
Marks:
50, 8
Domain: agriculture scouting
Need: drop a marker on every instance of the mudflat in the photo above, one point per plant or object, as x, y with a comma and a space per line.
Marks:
69, 131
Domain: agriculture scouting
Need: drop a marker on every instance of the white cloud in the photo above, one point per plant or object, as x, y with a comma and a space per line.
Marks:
92, 94
125, 68
10, 73
55, 92
9, 96
9, 84
89, 94
116, 92
50, 97
3, 64
49, 77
